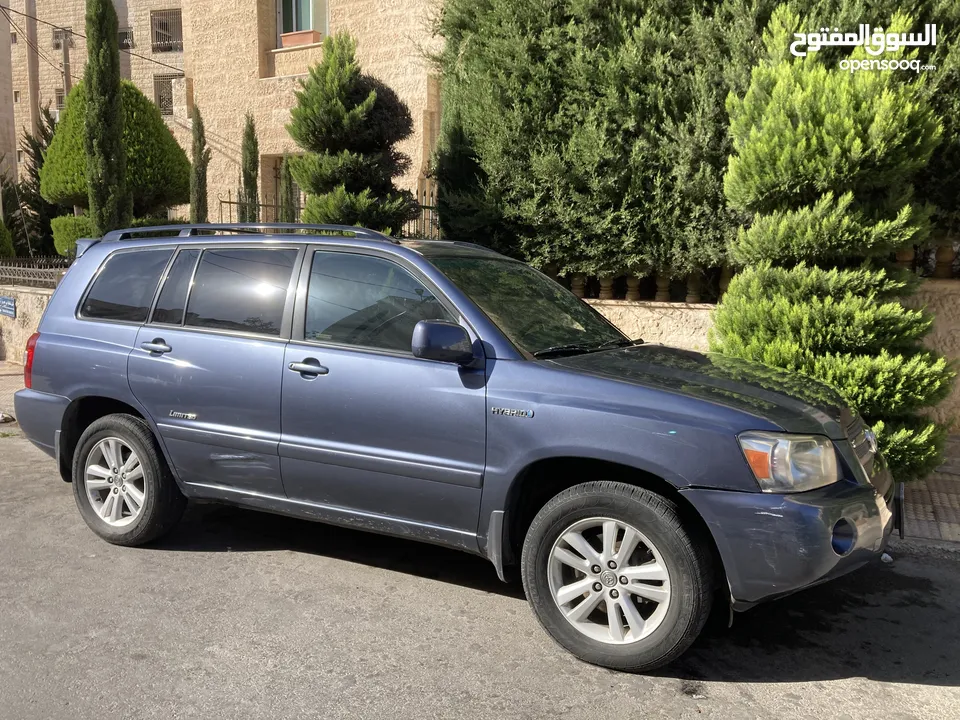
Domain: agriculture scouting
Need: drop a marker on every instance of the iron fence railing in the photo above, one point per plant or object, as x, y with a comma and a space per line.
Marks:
269, 211
425, 225
42, 272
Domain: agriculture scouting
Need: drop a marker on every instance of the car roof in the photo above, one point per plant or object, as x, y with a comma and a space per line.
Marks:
210, 233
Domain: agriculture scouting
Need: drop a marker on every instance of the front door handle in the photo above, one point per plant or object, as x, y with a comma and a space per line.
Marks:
309, 367
156, 346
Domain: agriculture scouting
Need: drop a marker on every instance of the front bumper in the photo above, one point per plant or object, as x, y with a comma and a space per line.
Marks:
773, 545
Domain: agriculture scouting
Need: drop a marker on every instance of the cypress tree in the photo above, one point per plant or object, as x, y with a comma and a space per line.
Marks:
110, 203
288, 199
348, 124
37, 211
198, 171
249, 170
823, 168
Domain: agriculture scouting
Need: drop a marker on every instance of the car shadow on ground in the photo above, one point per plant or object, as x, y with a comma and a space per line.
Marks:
209, 527
892, 623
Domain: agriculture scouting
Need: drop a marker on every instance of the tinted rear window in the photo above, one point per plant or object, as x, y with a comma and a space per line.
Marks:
125, 286
173, 296
241, 289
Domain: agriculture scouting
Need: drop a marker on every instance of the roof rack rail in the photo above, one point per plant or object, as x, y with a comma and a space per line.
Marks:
189, 230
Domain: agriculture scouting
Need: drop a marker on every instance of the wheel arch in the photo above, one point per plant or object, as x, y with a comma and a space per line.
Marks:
79, 415
544, 478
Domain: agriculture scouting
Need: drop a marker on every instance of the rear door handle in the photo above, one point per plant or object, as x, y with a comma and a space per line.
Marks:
309, 367
156, 346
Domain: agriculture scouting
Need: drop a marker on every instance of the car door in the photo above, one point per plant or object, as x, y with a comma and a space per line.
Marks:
367, 427
209, 363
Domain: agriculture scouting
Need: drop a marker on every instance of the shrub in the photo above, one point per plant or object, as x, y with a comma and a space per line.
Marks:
68, 229
6, 242
158, 170
348, 124
824, 162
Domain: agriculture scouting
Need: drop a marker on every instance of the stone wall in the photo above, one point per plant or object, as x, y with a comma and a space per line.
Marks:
14, 333
683, 325
8, 142
942, 298
687, 325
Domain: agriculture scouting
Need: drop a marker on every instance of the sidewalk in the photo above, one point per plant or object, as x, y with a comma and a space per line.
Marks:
932, 505
11, 380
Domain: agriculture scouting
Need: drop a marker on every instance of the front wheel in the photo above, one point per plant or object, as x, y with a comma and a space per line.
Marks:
615, 578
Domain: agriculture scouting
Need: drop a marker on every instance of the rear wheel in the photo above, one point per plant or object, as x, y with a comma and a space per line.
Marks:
615, 578
121, 482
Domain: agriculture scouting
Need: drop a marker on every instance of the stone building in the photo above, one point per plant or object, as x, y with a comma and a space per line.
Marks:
229, 57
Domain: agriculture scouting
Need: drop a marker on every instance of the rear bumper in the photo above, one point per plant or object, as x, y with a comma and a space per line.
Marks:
773, 545
40, 416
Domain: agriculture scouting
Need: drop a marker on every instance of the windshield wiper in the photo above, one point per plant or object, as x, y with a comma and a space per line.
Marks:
573, 348
570, 348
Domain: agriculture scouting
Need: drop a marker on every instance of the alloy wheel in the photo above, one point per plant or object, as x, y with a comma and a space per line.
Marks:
609, 580
114, 482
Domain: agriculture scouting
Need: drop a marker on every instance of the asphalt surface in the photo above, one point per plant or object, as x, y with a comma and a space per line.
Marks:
245, 615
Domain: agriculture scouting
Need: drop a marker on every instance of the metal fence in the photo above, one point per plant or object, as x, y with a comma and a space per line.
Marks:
41, 272
269, 211
425, 225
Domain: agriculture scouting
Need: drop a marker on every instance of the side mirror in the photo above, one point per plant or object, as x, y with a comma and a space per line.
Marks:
443, 341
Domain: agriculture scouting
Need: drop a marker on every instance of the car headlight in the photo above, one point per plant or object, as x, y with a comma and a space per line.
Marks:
790, 463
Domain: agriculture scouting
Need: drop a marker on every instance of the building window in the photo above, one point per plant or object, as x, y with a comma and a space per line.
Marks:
58, 98
300, 15
163, 92
125, 38
13, 38
166, 29
59, 33
16, 96
19, 156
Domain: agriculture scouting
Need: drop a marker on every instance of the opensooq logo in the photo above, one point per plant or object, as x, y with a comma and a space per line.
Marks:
875, 43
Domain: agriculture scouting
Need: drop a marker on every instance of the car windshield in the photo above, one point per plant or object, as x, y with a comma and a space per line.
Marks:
534, 312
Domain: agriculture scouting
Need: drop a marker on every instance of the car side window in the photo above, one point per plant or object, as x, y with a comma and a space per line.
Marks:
173, 294
125, 286
366, 301
242, 289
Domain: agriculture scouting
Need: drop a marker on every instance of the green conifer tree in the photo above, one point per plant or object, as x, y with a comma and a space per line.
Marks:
110, 202
249, 171
288, 198
823, 166
348, 124
198, 170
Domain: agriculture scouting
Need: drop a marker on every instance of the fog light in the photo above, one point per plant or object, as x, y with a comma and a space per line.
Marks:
844, 537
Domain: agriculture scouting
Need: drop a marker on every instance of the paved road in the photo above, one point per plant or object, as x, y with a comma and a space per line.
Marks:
245, 615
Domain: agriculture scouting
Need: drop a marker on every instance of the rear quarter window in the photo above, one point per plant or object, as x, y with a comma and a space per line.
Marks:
124, 287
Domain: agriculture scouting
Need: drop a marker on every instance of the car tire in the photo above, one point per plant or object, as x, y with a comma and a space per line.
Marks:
149, 502
668, 563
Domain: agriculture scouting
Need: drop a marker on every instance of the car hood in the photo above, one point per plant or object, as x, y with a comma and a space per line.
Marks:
796, 403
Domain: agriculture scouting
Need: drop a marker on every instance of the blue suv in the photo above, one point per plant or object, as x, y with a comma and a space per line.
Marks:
442, 392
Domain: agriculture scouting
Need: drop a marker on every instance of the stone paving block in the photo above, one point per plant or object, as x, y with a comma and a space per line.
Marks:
922, 529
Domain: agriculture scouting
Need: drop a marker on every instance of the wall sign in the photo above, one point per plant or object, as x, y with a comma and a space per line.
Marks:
8, 306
